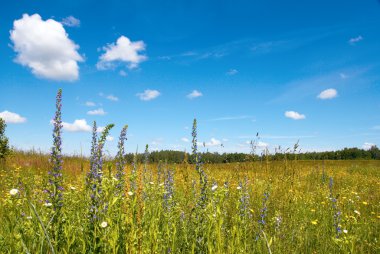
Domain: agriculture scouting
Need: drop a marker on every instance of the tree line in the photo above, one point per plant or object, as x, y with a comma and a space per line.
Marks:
208, 157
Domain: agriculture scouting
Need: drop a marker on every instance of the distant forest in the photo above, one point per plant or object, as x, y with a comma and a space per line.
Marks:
207, 157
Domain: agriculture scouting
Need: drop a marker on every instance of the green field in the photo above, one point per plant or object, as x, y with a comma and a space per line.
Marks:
259, 207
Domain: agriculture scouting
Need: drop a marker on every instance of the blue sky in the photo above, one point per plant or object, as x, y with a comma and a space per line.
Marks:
287, 69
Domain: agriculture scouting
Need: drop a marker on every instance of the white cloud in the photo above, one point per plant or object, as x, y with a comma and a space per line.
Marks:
70, 21
148, 95
232, 72
262, 145
44, 46
100, 129
125, 51
355, 40
90, 104
98, 111
258, 144
343, 75
112, 98
328, 94
110, 138
213, 142
10, 117
367, 146
194, 94
123, 73
79, 125
185, 140
294, 115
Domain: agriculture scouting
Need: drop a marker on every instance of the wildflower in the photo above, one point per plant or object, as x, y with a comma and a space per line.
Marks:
314, 222
151, 183
130, 193
313, 210
13, 192
365, 203
120, 164
73, 188
29, 217
345, 231
104, 224
48, 204
357, 212
214, 187
238, 188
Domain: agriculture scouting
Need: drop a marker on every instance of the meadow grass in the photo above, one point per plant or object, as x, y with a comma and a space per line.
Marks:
56, 204
258, 207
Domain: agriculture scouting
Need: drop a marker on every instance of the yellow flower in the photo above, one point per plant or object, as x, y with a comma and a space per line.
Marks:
323, 202
314, 222
313, 210
365, 203
357, 212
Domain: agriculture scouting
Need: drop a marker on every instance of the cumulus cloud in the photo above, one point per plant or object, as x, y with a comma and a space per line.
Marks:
232, 72
328, 94
124, 51
148, 95
194, 94
185, 140
98, 112
90, 104
10, 117
355, 40
367, 146
294, 115
44, 47
79, 125
70, 21
110, 138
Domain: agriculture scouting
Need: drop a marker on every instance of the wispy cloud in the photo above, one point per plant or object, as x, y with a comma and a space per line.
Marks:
70, 21
185, 140
90, 104
148, 95
328, 94
10, 117
299, 89
229, 118
123, 73
355, 40
98, 111
110, 97
294, 115
194, 94
277, 136
232, 72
